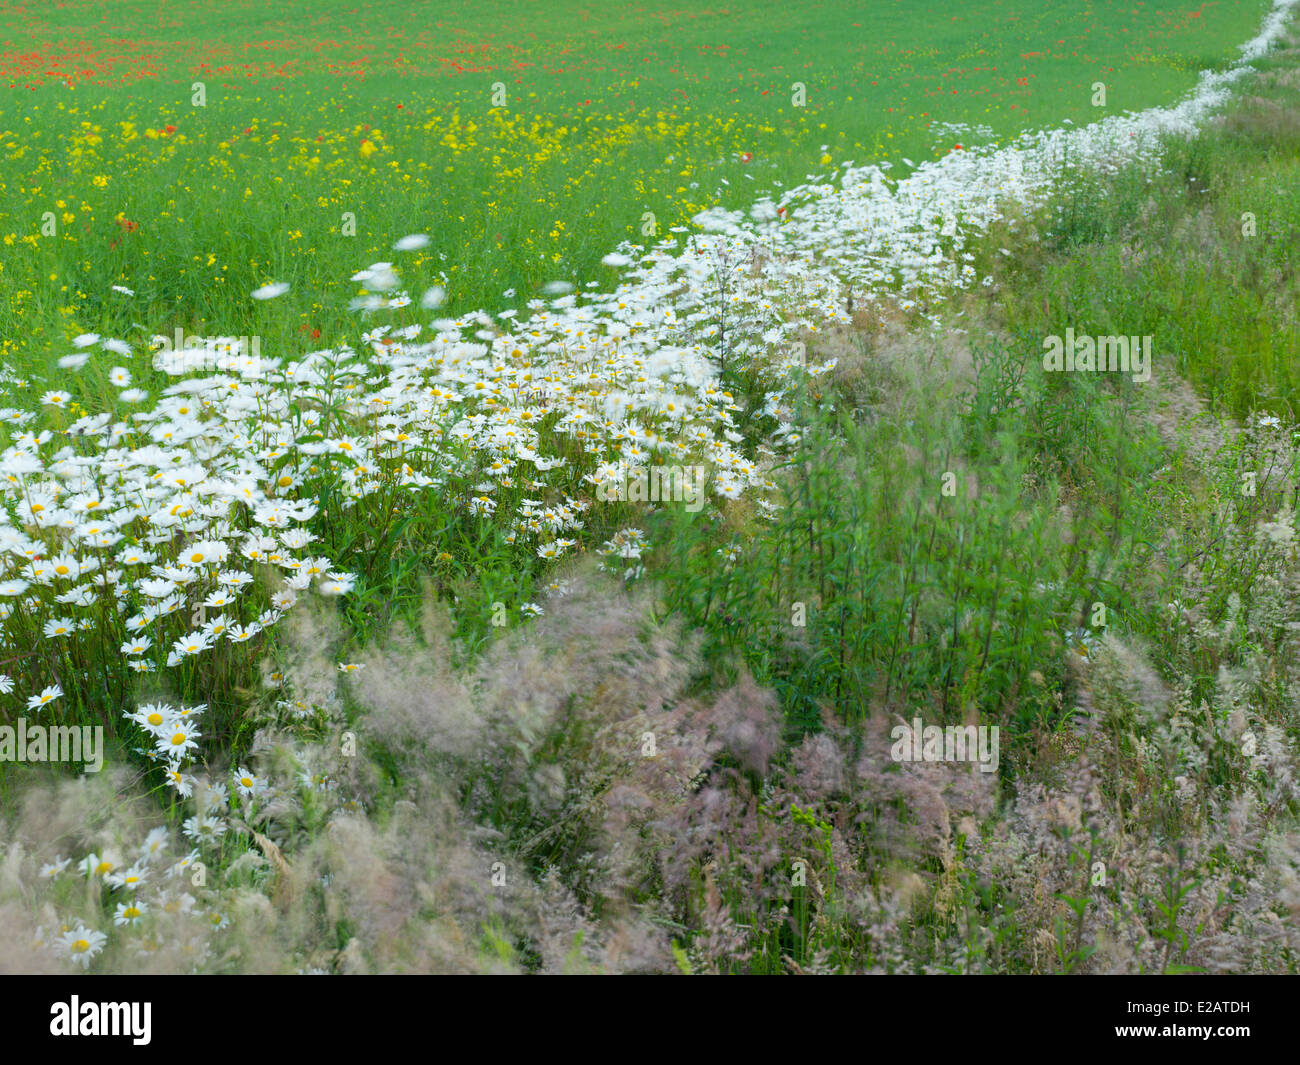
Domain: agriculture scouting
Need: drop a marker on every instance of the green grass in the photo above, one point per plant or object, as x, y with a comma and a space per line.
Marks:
610, 114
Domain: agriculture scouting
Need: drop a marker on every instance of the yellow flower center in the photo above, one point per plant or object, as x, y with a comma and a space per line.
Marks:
80, 946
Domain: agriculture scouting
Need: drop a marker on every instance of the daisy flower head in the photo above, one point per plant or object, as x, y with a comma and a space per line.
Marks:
178, 738
218, 626
97, 865
192, 644
378, 277
54, 868
129, 913
47, 696
129, 878
82, 944
204, 827
204, 551
249, 784
271, 291
153, 844
182, 782
182, 867
211, 795
243, 633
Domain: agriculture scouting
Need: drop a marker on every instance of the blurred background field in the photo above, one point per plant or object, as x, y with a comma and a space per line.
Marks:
385, 112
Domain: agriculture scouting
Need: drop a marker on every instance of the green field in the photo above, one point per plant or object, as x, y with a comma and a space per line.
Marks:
314, 109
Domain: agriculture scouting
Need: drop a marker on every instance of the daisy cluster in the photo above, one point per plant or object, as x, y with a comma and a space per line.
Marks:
142, 542
149, 540
151, 896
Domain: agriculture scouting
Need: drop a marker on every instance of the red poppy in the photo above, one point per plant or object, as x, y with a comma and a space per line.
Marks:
745, 157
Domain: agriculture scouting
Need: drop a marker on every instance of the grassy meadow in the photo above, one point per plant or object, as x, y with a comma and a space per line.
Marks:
388, 684
313, 110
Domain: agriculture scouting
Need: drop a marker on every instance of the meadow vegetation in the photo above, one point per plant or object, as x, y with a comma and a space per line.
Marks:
674, 756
